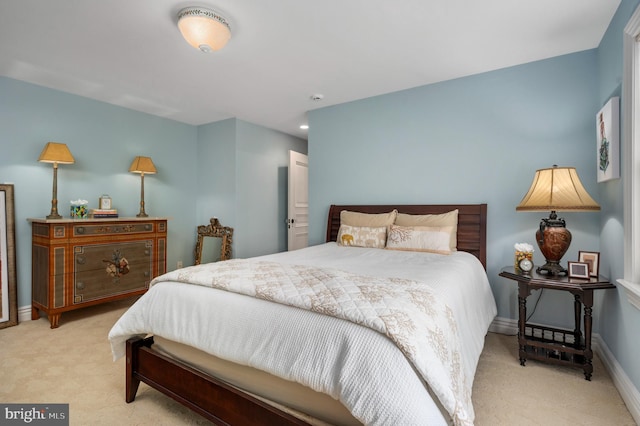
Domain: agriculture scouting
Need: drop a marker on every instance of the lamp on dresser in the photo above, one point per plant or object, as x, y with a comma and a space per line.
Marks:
555, 189
142, 165
55, 153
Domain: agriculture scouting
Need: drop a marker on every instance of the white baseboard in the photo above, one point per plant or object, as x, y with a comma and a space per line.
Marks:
627, 390
24, 313
504, 326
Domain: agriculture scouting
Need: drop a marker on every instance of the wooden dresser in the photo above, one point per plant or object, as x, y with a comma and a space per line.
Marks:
84, 262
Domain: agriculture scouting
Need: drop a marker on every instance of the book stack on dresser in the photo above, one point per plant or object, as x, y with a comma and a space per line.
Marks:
103, 213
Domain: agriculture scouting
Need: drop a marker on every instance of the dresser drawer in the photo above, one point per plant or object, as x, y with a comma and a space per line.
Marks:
104, 270
95, 285
118, 257
100, 229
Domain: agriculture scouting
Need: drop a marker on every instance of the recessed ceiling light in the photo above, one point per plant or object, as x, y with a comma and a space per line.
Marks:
304, 126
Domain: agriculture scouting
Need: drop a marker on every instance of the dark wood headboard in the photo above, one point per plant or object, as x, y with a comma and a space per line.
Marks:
472, 222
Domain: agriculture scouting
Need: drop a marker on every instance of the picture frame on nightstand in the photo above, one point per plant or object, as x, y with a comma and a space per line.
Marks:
593, 259
578, 270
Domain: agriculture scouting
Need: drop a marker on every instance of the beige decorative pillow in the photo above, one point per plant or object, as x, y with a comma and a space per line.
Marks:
444, 219
362, 236
367, 219
432, 239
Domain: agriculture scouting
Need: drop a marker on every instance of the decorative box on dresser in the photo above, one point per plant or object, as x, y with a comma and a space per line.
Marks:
84, 262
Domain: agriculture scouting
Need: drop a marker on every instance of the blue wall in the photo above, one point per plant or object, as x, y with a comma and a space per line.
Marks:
620, 320
243, 181
262, 179
470, 140
104, 139
480, 139
197, 169
216, 173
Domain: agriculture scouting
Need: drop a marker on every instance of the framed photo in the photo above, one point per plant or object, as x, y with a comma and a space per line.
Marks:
593, 259
579, 270
608, 140
8, 282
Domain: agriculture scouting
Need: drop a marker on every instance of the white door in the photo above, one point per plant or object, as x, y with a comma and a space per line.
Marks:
298, 216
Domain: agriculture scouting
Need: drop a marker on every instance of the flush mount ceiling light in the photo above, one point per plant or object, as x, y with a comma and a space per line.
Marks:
204, 29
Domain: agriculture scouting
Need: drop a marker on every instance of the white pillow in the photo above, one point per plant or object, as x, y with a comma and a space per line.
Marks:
443, 219
432, 239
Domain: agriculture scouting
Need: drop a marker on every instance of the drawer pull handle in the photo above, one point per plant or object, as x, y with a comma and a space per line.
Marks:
80, 230
148, 227
147, 252
80, 285
81, 260
146, 274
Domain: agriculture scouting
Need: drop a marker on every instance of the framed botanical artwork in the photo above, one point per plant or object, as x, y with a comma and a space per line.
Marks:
578, 270
608, 140
592, 258
8, 283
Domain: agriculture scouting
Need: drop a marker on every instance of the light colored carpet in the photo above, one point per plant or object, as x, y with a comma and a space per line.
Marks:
73, 364
506, 393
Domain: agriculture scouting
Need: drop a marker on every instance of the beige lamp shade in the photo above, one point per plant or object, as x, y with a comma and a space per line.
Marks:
55, 152
143, 165
204, 29
557, 189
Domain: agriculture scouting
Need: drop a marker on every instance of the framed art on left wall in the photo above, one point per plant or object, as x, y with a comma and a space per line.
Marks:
8, 282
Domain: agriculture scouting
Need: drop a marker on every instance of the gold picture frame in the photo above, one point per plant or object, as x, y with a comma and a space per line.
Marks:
8, 281
214, 229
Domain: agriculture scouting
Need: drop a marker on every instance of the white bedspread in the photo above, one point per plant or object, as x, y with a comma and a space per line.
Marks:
358, 366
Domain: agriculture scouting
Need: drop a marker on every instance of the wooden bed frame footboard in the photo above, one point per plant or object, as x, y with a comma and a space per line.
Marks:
213, 399
223, 404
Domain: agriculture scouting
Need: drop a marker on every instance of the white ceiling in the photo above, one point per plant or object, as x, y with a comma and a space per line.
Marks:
130, 52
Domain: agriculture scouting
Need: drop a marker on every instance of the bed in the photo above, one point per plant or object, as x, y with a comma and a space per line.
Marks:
270, 359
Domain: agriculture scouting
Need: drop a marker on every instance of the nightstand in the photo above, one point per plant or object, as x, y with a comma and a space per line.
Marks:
554, 345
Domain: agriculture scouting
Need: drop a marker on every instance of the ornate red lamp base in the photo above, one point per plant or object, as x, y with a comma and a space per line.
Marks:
554, 240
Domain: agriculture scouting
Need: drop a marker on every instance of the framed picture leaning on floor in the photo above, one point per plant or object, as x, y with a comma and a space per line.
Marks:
8, 283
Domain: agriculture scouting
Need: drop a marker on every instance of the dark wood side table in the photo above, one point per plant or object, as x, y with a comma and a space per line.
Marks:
554, 345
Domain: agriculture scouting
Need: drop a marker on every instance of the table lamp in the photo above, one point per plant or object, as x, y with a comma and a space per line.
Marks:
142, 165
56, 153
555, 189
